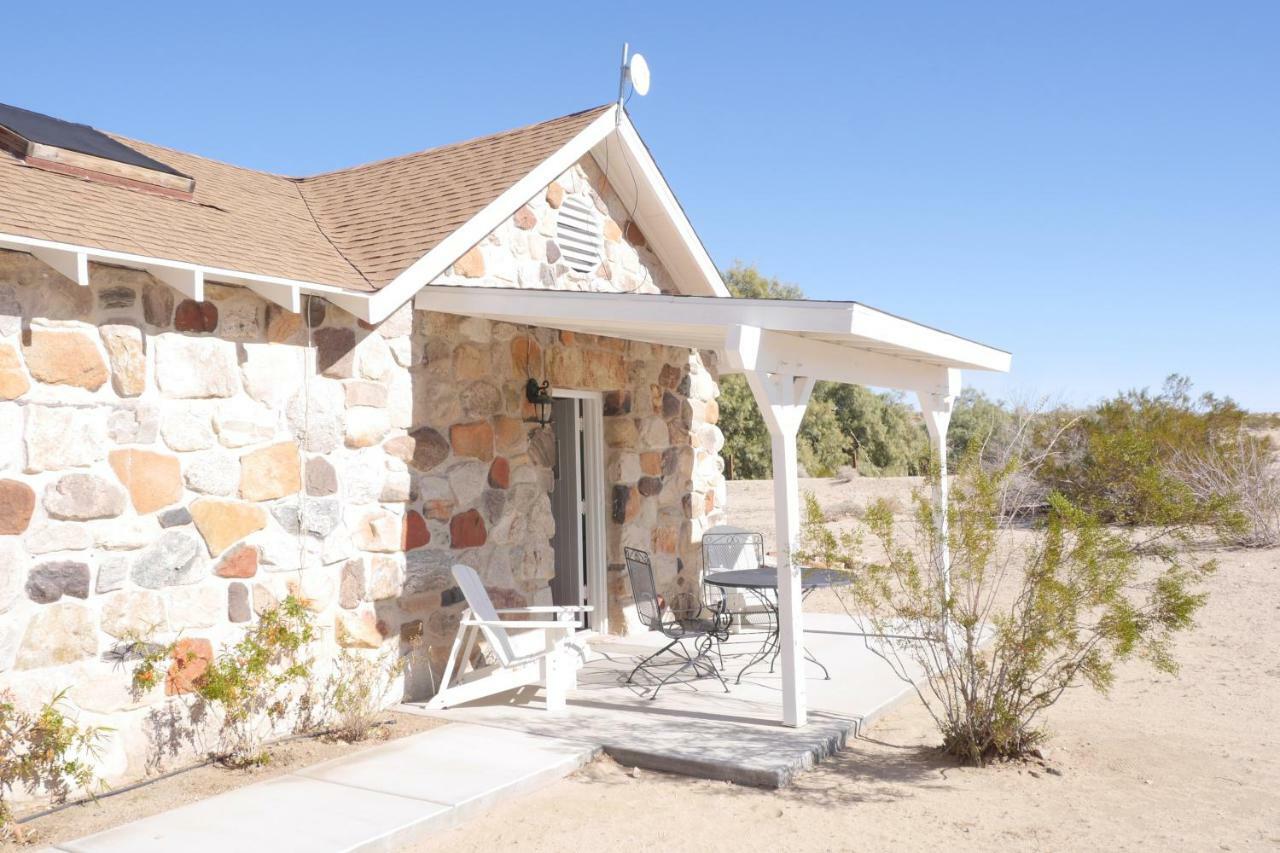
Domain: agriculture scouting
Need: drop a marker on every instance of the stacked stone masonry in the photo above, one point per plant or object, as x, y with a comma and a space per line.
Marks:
171, 468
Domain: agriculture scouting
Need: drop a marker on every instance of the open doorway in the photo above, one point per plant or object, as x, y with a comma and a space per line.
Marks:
577, 503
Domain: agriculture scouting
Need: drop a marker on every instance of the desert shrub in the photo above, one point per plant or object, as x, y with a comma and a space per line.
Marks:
1244, 476
1117, 461
977, 420
43, 751
252, 683
356, 691
995, 642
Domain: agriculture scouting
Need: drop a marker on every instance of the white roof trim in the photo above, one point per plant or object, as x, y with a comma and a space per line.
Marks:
646, 193
434, 263
72, 261
841, 341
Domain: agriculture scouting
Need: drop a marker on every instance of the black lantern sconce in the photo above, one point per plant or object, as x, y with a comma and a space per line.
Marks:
540, 396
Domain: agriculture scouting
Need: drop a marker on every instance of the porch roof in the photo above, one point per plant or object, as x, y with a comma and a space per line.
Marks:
839, 341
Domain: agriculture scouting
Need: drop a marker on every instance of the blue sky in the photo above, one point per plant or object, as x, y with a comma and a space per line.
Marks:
1093, 185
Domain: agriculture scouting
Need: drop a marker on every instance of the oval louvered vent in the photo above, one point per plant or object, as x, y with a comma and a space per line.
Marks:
578, 234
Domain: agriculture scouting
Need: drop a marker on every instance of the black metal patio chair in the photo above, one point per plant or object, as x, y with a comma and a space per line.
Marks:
685, 620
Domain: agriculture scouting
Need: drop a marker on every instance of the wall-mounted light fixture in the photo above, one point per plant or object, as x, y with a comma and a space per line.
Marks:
539, 394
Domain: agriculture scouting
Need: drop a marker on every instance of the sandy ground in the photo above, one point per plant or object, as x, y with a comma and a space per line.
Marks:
114, 810
1190, 762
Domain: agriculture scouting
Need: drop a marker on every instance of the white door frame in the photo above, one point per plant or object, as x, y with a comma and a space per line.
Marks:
593, 500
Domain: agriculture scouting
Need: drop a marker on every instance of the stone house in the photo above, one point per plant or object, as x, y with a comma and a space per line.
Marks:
219, 387
193, 430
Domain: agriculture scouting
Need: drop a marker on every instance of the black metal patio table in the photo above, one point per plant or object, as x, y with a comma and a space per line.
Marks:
765, 579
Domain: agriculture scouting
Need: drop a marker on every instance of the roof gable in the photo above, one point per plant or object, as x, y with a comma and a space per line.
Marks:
384, 216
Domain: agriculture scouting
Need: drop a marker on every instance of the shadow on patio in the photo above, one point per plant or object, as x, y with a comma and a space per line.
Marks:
695, 728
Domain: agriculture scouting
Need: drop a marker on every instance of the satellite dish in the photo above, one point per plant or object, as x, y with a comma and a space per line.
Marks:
638, 74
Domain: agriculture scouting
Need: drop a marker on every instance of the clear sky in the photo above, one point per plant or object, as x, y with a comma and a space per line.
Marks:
1094, 186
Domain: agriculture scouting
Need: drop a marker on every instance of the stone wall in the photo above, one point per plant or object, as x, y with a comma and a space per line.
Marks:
171, 467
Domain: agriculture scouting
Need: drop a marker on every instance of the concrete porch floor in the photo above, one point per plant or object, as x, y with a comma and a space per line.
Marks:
697, 729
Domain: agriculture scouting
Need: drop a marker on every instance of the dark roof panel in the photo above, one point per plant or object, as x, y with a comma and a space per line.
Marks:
48, 130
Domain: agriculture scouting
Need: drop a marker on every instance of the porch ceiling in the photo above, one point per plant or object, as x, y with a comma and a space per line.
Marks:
829, 338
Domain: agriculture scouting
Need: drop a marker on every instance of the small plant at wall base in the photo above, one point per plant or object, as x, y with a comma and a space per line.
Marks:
1023, 621
355, 692
43, 750
251, 683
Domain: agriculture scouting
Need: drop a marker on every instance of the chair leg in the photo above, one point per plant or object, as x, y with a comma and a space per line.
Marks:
450, 665
642, 663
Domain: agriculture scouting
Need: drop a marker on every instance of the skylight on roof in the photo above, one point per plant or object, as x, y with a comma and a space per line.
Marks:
77, 149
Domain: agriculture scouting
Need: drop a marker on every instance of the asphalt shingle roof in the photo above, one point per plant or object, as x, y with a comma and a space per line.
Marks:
355, 228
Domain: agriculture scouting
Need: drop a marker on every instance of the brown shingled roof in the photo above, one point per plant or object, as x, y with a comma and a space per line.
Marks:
355, 228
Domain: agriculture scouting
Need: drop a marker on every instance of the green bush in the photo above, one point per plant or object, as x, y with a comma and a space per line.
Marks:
252, 683
43, 751
1118, 460
1002, 636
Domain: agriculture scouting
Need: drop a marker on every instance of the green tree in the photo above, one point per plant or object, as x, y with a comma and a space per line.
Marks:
845, 424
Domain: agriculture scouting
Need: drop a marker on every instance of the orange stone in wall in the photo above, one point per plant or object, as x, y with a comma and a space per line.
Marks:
13, 382
271, 472
466, 530
191, 659
154, 480
64, 357
474, 439
415, 533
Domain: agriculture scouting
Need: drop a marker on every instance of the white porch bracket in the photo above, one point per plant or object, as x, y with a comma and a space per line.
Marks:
73, 265
189, 281
937, 399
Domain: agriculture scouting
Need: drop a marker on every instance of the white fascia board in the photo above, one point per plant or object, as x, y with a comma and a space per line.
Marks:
751, 350
670, 207
780, 315
186, 277
879, 326
434, 263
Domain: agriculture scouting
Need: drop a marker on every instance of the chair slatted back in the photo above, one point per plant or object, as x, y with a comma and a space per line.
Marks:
643, 588
478, 600
727, 549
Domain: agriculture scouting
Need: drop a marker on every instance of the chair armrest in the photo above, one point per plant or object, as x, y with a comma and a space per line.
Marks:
548, 608
516, 623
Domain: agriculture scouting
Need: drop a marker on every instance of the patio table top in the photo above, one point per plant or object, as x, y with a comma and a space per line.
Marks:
766, 577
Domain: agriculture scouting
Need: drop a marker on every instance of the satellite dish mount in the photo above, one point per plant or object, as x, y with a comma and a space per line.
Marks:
634, 71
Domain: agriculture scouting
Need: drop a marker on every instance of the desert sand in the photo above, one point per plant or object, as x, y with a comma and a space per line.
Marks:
1186, 762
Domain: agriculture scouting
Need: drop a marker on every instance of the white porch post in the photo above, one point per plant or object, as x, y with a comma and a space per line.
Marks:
782, 400
936, 402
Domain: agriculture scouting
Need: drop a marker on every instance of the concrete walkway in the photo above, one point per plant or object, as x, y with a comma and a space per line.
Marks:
380, 799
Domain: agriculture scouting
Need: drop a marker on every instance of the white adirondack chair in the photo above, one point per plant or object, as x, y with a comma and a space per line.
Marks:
527, 651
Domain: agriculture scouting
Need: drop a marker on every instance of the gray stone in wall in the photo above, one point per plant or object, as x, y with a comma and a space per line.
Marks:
322, 479
238, 609
80, 497
430, 448
427, 570
171, 561
213, 472
111, 574
157, 305
10, 311
542, 447
48, 582
135, 425
175, 517
351, 586
117, 297
319, 516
